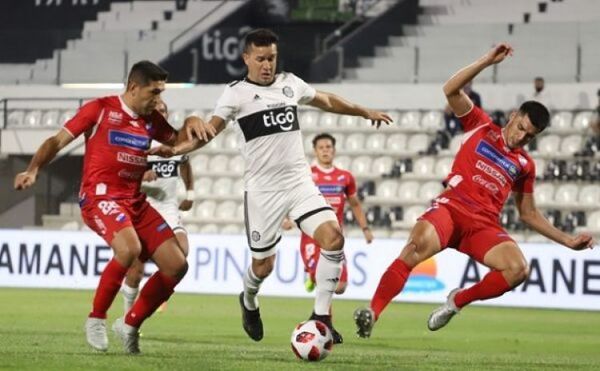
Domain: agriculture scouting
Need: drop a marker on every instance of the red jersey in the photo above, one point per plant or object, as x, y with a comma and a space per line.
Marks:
336, 185
116, 141
485, 170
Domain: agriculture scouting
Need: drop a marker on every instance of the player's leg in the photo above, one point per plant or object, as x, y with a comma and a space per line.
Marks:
131, 285
343, 283
182, 240
309, 252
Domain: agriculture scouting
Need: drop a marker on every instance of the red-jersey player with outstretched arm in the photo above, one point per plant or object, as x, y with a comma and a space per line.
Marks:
118, 131
490, 164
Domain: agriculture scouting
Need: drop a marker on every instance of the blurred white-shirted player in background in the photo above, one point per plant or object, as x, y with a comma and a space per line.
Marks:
277, 177
160, 185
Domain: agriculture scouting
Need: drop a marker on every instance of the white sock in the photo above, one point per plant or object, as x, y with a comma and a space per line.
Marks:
251, 287
129, 295
329, 269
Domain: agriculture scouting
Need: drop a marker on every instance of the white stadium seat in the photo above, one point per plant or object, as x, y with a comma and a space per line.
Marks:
430, 190
361, 165
593, 221
226, 210
443, 166
65, 116
540, 166
222, 187
308, 145
176, 118
418, 143
582, 120
209, 229
236, 164
589, 195
571, 144
566, 194
387, 189
199, 164
232, 229
33, 118
237, 189
327, 121
396, 143
15, 118
355, 142
218, 164
233, 140
203, 186
549, 145
382, 165
216, 143
308, 119
412, 213
455, 144
410, 121
343, 162
205, 209
49, 118
399, 234
348, 122
544, 193
340, 140
561, 121
375, 142
408, 191
424, 166
433, 121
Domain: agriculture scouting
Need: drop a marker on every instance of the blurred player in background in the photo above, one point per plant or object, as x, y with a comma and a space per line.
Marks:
277, 177
118, 131
337, 186
160, 185
489, 165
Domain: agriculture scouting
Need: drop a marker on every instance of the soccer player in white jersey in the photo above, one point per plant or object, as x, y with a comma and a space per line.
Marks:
160, 185
277, 177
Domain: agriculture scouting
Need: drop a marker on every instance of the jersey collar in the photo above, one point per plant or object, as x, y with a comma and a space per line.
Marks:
246, 79
126, 108
324, 170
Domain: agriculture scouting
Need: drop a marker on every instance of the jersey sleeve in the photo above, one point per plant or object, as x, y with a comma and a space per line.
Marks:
85, 119
306, 93
474, 118
351, 186
526, 182
227, 105
161, 130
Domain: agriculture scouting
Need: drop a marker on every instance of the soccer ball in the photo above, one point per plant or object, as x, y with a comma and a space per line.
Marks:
312, 341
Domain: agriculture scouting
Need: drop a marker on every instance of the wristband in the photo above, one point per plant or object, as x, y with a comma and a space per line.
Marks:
190, 195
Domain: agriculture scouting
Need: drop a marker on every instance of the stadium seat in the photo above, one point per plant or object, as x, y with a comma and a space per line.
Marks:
328, 121
387, 189
240, 211
443, 166
413, 213
340, 140
566, 194
455, 144
237, 189
593, 221
396, 143
15, 119
418, 143
549, 145
361, 165
209, 229
70, 226
203, 186
408, 191
430, 190
176, 118
410, 121
236, 165
233, 140
571, 144
375, 142
561, 121
65, 208
49, 118
544, 193
382, 165
205, 210
218, 164
308, 145
394, 115
424, 166
343, 162
399, 235
308, 119
355, 142
33, 118
540, 166
65, 116
226, 210
216, 143
232, 229
192, 227
199, 164
582, 120
348, 122
589, 195
222, 187
432, 121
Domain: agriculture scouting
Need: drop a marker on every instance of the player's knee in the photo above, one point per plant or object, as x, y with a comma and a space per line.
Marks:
129, 253
410, 254
182, 270
263, 268
334, 241
518, 271
341, 288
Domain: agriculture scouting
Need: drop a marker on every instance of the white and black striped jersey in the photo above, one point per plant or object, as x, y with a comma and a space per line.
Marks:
267, 118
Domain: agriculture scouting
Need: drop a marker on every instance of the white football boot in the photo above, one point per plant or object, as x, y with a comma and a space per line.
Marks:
129, 335
95, 333
442, 315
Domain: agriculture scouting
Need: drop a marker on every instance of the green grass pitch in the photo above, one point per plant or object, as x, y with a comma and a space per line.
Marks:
43, 329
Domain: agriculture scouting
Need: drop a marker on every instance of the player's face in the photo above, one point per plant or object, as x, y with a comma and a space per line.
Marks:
146, 98
324, 151
261, 62
519, 131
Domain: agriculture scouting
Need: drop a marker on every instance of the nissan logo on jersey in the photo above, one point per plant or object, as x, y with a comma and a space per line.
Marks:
284, 119
164, 169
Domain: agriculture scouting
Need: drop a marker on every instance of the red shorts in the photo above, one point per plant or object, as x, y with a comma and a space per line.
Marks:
310, 252
470, 234
107, 217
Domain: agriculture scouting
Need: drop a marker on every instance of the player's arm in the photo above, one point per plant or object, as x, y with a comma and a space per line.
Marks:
332, 103
188, 180
361, 219
45, 153
459, 102
200, 132
530, 215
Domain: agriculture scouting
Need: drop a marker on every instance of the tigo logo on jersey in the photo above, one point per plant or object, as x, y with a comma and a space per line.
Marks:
423, 278
285, 119
119, 138
487, 151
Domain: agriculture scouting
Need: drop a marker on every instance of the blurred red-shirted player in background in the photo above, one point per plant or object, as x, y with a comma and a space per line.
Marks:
490, 164
337, 185
118, 131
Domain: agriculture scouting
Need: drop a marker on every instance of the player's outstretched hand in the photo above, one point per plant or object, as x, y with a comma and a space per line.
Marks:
368, 235
149, 176
25, 180
196, 127
162, 151
499, 53
377, 118
186, 205
581, 242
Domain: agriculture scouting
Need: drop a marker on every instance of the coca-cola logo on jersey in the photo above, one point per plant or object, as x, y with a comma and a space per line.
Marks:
285, 119
165, 169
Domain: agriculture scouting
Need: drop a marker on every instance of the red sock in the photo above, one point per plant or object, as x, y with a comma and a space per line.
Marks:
391, 284
108, 287
491, 286
156, 291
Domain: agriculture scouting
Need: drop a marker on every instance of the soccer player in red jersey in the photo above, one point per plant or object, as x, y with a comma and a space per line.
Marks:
337, 185
490, 164
118, 131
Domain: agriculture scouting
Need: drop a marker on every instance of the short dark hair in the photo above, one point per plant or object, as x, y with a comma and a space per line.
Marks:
539, 78
260, 37
323, 136
538, 114
144, 72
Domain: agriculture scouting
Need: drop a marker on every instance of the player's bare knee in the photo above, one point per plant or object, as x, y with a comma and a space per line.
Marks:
410, 254
334, 241
262, 268
517, 272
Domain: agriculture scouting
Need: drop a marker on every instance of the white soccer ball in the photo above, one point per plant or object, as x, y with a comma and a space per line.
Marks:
312, 341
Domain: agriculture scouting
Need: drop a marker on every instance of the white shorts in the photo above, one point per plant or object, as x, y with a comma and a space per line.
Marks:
170, 213
264, 212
